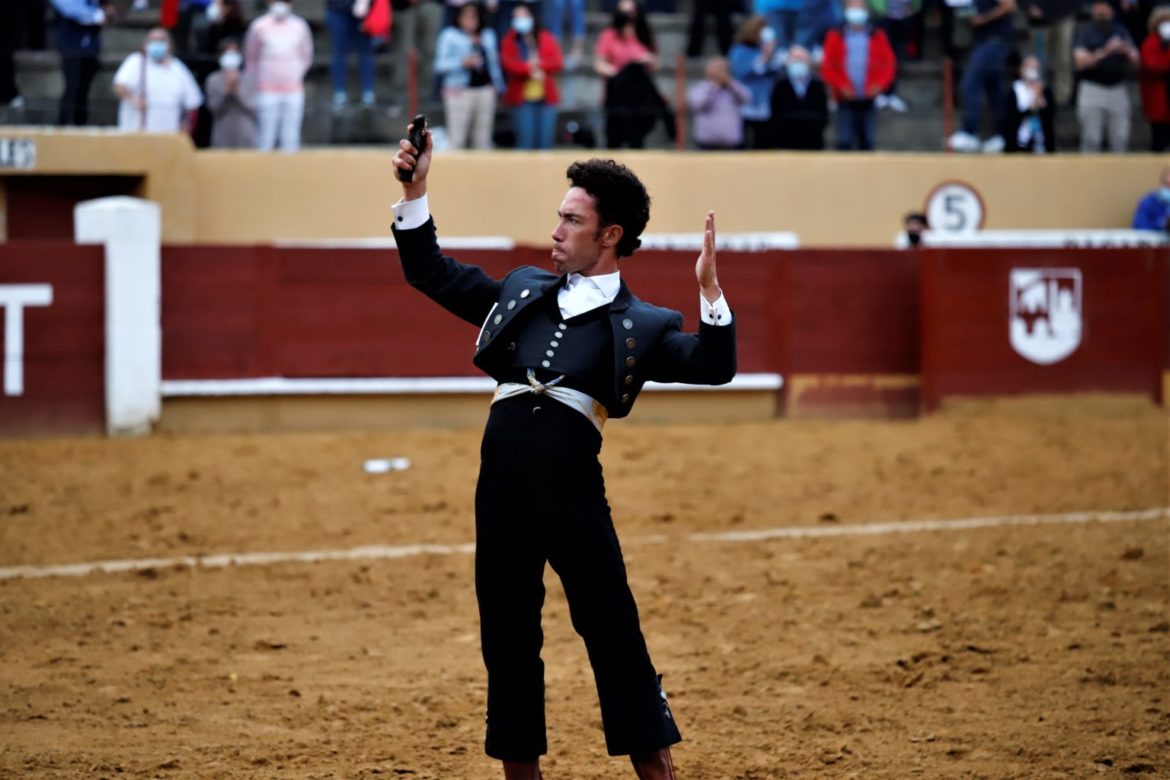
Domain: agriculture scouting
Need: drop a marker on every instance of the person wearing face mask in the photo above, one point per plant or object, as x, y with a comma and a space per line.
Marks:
277, 54
1103, 54
1153, 211
914, 225
627, 56
994, 36
157, 92
1051, 24
800, 105
231, 98
1155, 79
1030, 126
756, 63
858, 66
531, 58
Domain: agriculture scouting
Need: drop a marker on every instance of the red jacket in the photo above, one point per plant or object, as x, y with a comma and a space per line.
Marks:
879, 74
1154, 79
517, 70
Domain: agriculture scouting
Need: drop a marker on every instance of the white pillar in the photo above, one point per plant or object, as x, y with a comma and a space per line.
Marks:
131, 230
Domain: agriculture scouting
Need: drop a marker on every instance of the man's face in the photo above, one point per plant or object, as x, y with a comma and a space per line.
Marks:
1102, 12
578, 239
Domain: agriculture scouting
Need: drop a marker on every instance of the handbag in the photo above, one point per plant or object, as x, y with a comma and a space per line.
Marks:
379, 20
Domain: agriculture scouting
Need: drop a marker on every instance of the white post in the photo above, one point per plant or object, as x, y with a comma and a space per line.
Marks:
131, 230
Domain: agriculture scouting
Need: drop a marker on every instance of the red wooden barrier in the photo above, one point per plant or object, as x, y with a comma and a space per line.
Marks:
1042, 321
62, 372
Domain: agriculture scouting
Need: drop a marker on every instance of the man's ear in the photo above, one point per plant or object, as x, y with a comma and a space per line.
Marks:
611, 235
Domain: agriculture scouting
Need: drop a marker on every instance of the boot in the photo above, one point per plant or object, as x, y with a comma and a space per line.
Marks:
522, 770
654, 766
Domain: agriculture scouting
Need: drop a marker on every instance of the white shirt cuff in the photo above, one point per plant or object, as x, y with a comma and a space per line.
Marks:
718, 313
411, 214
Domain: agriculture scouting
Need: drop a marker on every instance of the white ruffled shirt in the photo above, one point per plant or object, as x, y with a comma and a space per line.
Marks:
580, 293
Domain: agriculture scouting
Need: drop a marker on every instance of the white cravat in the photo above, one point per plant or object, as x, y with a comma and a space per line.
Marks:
579, 293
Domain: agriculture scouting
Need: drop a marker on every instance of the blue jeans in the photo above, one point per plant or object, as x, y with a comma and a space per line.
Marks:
535, 124
783, 23
856, 125
554, 18
345, 35
985, 73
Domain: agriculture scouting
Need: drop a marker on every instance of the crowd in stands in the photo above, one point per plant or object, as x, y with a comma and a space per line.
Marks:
784, 69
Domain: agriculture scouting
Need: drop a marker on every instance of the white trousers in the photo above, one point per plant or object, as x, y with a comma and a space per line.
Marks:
280, 115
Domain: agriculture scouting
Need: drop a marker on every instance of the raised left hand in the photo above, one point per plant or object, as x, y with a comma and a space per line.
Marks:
705, 265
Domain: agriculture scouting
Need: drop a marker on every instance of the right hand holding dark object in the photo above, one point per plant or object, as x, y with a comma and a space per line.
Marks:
410, 158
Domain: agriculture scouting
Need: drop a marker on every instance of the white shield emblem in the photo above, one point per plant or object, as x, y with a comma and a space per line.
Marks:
1045, 320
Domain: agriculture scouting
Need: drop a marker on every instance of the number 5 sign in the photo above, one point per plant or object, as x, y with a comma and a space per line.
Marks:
954, 207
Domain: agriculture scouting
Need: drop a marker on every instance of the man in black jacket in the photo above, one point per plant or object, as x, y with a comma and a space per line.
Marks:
568, 349
800, 105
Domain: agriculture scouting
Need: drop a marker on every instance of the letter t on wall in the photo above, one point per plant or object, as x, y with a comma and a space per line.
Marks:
13, 299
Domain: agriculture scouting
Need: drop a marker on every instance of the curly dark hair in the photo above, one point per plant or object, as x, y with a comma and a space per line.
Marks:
619, 197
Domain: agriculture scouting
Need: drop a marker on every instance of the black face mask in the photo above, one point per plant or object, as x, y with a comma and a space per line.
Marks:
915, 239
621, 19
1103, 24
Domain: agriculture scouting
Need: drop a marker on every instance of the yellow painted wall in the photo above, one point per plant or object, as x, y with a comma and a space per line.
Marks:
828, 199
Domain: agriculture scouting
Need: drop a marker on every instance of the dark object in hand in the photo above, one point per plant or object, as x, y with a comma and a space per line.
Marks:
418, 141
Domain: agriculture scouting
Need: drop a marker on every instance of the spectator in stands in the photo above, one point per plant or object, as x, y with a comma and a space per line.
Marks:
628, 39
1155, 79
228, 22
555, 12
800, 106
626, 55
231, 98
994, 41
501, 17
1031, 110
756, 63
416, 28
531, 58
858, 66
897, 18
79, 38
346, 36
700, 9
716, 101
1051, 24
914, 225
782, 16
1103, 53
1153, 211
158, 93
193, 23
467, 65
277, 54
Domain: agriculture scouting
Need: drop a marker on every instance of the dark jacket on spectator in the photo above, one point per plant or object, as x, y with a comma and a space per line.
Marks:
799, 122
1016, 118
632, 105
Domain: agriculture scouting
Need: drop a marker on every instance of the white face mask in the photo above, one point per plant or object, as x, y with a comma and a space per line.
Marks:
213, 12
1164, 31
856, 16
231, 60
1031, 74
280, 9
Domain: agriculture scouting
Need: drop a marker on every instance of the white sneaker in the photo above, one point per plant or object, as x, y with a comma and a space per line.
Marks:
963, 142
882, 102
994, 145
896, 104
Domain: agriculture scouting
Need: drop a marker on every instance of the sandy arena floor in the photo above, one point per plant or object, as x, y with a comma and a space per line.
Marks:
1035, 651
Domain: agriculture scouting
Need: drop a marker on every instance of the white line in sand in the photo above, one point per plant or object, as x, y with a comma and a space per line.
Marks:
385, 552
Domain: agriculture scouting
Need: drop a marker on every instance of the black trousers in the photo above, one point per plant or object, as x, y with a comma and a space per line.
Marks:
79, 71
541, 497
721, 10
